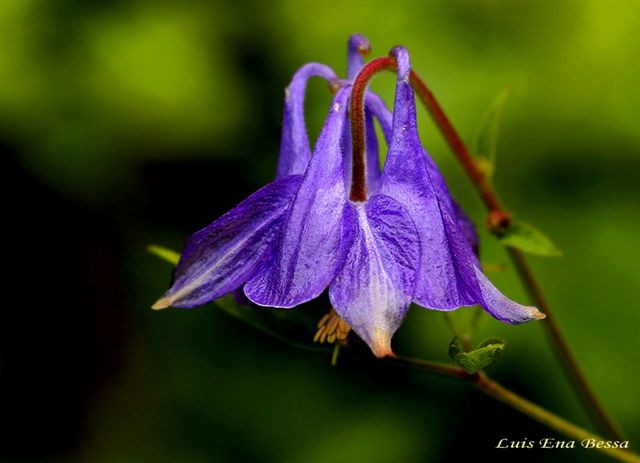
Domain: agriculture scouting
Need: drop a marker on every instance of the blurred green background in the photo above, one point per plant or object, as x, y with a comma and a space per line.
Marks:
124, 123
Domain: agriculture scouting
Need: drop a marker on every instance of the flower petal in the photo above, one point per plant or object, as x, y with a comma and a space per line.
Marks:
373, 290
309, 247
446, 279
449, 276
294, 147
503, 308
467, 227
357, 47
372, 155
376, 106
460, 216
220, 257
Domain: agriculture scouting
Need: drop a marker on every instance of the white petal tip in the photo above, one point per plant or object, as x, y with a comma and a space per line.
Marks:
381, 346
382, 353
162, 303
535, 313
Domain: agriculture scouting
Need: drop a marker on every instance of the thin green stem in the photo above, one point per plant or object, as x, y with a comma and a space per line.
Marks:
499, 219
541, 415
495, 390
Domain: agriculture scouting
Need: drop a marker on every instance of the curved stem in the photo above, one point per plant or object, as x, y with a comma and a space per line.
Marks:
356, 119
495, 390
499, 218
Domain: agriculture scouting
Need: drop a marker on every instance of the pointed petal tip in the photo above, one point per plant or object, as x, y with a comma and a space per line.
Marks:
401, 54
382, 351
536, 314
360, 44
381, 345
162, 303
501, 307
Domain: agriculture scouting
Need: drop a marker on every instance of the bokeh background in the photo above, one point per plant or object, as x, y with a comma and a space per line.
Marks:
124, 123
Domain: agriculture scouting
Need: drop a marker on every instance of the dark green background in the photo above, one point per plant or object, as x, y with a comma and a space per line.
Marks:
129, 123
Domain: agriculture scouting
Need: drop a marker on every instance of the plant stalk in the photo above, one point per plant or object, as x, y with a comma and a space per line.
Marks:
495, 390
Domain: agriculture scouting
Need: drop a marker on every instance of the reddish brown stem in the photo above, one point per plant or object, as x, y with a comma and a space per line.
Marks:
356, 117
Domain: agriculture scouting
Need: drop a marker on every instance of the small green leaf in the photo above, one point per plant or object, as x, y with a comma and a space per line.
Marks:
527, 238
490, 341
487, 135
486, 354
165, 254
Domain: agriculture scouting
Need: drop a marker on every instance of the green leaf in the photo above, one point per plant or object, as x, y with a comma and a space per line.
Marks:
527, 238
491, 341
166, 254
486, 354
487, 135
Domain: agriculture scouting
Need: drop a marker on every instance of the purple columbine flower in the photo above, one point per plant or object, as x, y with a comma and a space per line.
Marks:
401, 239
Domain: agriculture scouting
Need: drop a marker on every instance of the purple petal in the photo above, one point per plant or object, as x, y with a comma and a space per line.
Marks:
221, 256
309, 248
467, 227
376, 106
372, 155
357, 47
461, 217
446, 279
503, 308
294, 147
374, 289
449, 276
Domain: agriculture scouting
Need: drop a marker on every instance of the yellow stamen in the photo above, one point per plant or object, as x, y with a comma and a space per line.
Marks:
332, 328
323, 320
